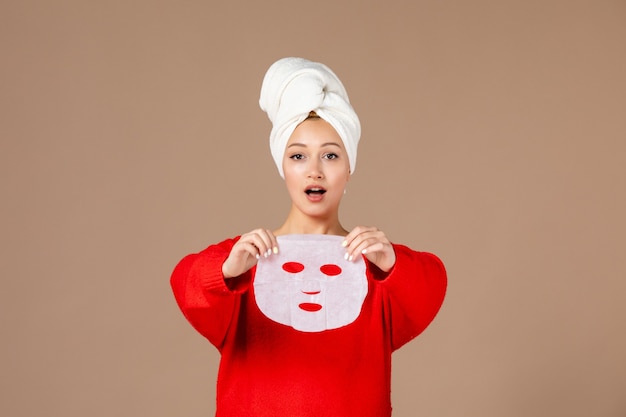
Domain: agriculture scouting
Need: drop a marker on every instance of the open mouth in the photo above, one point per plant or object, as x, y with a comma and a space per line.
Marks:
310, 307
313, 191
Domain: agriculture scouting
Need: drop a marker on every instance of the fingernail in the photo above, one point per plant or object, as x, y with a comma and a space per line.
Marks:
257, 256
344, 243
346, 256
364, 251
275, 250
350, 258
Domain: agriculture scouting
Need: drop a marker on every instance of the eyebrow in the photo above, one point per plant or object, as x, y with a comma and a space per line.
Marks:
323, 144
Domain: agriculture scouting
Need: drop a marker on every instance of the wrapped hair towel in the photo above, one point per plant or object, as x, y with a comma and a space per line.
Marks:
293, 87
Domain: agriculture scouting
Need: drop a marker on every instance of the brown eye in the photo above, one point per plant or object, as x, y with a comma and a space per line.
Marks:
293, 267
330, 269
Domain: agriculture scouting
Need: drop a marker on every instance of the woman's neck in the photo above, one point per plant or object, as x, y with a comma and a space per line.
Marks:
299, 223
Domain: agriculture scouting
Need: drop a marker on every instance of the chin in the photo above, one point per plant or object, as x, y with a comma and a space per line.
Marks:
320, 210
321, 214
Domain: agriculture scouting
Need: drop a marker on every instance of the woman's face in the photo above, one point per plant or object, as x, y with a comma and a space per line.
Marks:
316, 168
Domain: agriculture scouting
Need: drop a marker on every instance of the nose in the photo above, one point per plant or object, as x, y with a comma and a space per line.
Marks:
315, 169
311, 287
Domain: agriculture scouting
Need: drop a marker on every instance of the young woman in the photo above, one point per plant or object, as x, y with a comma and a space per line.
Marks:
306, 316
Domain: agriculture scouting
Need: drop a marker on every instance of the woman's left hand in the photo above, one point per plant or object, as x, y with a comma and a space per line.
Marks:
373, 244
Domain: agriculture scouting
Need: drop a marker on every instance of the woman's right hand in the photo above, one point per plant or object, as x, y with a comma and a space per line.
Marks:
247, 251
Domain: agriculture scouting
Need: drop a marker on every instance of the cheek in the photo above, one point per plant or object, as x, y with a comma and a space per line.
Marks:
341, 179
289, 174
291, 169
344, 172
290, 184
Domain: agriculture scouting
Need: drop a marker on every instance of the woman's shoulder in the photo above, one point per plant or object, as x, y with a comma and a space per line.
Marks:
407, 253
227, 243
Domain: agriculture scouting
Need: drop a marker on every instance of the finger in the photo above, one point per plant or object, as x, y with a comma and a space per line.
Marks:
258, 240
245, 246
270, 241
365, 245
355, 233
255, 239
373, 248
253, 248
364, 241
273, 241
374, 242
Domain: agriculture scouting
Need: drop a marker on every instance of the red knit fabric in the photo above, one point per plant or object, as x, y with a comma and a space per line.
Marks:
269, 369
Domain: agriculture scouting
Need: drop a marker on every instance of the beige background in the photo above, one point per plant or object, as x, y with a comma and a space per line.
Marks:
494, 134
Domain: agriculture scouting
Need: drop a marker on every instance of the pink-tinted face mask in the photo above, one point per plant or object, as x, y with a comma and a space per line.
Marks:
309, 285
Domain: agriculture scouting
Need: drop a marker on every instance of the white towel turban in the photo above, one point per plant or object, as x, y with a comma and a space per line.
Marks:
292, 88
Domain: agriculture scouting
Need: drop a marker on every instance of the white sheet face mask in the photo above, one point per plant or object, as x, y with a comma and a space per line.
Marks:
309, 285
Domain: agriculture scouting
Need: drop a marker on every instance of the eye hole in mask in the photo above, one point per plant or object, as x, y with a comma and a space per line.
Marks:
293, 267
330, 269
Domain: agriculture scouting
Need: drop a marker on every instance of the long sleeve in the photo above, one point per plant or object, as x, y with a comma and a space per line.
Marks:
206, 299
413, 293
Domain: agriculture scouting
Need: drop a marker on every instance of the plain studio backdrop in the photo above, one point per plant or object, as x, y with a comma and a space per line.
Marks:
494, 135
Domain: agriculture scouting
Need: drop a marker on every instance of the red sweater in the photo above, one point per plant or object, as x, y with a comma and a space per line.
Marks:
269, 369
